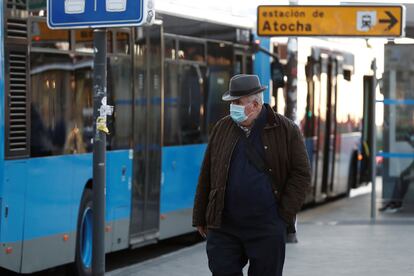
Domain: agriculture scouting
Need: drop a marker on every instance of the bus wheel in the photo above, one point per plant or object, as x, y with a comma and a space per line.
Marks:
83, 258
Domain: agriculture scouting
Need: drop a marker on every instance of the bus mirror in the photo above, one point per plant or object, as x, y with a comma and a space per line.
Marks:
277, 74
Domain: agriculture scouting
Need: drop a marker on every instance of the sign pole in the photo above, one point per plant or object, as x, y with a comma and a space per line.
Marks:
373, 130
99, 152
75, 14
292, 66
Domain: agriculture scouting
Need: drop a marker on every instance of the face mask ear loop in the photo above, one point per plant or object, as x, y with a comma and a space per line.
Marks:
248, 115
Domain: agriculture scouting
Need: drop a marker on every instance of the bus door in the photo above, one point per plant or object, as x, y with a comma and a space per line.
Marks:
310, 124
147, 135
331, 126
366, 137
325, 91
327, 126
184, 130
321, 95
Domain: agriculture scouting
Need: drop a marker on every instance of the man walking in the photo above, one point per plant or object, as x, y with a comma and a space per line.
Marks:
253, 181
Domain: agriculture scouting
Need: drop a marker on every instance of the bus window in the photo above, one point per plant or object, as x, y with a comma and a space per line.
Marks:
190, 50
183, 104
219, 57
120, 96
170, 49
218, 80
123, 43
308, 124
84, 41
219, 54
43, 37
61, 107
190, 104
171, 107
238, 65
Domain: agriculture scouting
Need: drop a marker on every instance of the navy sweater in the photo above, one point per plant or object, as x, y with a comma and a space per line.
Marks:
249, 198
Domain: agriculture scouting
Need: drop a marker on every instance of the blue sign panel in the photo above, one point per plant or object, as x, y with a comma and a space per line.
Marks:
68, 14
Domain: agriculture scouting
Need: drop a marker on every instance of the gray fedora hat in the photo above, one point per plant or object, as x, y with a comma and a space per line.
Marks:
243, 85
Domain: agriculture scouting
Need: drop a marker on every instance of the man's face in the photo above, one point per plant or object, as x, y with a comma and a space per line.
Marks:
251, 109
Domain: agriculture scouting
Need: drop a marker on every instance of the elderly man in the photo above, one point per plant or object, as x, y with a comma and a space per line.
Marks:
253, 181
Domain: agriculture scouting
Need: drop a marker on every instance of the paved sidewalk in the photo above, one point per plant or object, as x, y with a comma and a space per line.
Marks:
334, 240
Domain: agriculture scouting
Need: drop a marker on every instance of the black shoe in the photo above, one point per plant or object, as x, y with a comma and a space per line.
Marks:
391, 207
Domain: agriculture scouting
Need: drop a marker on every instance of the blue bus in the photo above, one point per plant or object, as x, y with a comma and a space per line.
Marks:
332, 111
165, 82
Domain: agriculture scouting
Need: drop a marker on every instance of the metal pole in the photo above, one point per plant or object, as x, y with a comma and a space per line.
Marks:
99, 150
373, 143
292, 68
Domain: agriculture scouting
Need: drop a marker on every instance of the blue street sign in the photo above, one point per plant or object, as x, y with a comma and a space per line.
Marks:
69, 14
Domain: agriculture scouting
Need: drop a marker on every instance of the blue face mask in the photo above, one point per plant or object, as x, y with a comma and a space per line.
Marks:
237, 113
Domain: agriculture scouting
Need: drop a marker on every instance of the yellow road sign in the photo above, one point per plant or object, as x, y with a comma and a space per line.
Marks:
367, 21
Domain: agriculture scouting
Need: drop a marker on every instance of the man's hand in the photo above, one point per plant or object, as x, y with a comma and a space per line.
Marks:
202, 230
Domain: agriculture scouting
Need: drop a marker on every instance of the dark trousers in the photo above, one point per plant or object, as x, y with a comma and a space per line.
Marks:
263, 245
403, 183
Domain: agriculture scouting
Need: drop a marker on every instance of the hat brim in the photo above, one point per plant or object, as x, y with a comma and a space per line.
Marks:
227, 97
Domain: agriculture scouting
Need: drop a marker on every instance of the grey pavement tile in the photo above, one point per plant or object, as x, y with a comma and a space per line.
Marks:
334, 240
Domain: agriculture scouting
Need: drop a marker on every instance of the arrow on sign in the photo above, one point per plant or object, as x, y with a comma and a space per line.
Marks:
391, 20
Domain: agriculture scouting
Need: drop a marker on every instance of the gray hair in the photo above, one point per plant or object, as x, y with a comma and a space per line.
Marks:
256, 97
